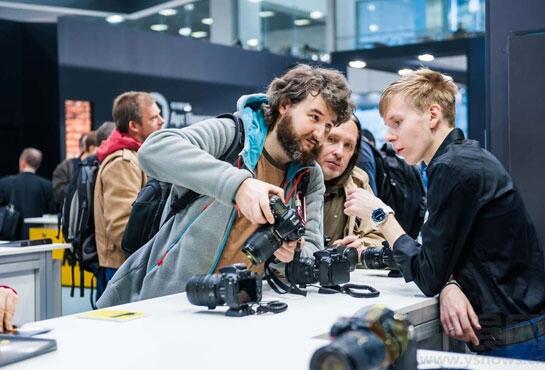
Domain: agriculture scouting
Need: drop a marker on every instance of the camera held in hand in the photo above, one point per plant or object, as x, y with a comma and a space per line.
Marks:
288, 226
375, 338
350, 253
234, 286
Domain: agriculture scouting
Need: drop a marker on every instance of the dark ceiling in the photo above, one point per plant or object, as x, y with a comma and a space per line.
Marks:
113, 6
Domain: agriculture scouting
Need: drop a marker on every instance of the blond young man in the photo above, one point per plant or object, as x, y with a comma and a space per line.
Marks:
479, 248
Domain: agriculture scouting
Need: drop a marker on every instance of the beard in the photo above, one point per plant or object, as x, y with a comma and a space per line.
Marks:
292, 144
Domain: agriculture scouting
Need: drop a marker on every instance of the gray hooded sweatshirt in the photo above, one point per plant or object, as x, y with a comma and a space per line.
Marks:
192, 241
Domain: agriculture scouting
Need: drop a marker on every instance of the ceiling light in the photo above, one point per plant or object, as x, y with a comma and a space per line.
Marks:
159, 27
301, 22
168, 12
404, 71
373, 27
371, 7
316, 14
189, 7
199, 34
473, 6
185, 31
255, 1
252, 42
326, 58
357, 64
116, 18
426, 57
207, 21
266, 14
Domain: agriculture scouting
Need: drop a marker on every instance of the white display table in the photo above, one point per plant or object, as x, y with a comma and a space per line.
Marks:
47, 221
36, 277
177, 335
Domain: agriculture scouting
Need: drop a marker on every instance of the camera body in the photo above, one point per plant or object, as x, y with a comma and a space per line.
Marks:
375, 338
234, 286
378, 258
328, 267
288, 226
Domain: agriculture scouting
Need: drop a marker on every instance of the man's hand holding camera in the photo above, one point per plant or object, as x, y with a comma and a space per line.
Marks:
286, 252
252, 200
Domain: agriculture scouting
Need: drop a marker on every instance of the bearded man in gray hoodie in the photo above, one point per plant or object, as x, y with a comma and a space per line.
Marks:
283, 131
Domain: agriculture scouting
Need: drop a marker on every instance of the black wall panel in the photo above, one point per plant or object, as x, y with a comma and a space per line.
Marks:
527, 121
28, 94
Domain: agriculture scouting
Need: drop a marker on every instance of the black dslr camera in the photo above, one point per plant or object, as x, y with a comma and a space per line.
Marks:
375, 338
328, 267
378, 258
288, 226
234, 286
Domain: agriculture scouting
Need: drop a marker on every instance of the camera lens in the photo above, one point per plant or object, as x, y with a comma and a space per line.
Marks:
351, 254
354, 350
202, 290
371, 258
332, 361
261, 245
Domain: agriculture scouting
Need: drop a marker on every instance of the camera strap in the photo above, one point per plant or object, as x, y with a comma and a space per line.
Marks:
357, 290
353, 290
278, 285
272, 307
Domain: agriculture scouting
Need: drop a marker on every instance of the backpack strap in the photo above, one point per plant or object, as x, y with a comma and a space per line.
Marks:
230, 156
302, 186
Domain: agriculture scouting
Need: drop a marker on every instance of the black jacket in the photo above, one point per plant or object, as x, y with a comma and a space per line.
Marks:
478, 230
30, 194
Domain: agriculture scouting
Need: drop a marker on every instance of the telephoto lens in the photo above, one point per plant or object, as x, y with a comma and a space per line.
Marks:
378, 258
288, 226
374, 338
234, 286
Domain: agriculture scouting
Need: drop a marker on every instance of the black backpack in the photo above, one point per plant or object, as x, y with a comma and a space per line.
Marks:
78, 223
400, 186
147, 209
9, 216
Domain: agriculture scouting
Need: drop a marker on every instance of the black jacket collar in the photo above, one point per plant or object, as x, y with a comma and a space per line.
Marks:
453, 136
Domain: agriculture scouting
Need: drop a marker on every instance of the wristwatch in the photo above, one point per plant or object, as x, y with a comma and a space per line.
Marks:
380, 215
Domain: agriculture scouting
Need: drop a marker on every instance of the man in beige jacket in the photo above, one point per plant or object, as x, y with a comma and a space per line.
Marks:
338, 157
120, 178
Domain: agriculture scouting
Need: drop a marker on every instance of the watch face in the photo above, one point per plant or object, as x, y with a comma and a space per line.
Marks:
378, 215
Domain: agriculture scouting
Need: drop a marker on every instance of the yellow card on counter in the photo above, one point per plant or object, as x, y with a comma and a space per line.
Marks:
112, 315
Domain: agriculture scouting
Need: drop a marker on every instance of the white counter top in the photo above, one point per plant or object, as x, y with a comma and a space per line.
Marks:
175, 334
44, 220
10, 251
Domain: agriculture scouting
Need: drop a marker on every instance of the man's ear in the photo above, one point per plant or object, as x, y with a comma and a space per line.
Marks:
436, 115
283, 107
133, 128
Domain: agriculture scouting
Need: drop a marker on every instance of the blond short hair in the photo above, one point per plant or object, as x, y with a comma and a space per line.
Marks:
421, 89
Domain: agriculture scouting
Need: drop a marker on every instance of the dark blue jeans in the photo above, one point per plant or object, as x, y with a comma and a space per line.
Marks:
533, 349
104, 275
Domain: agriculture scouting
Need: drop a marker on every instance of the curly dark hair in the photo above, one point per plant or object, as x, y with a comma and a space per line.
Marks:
296, 84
